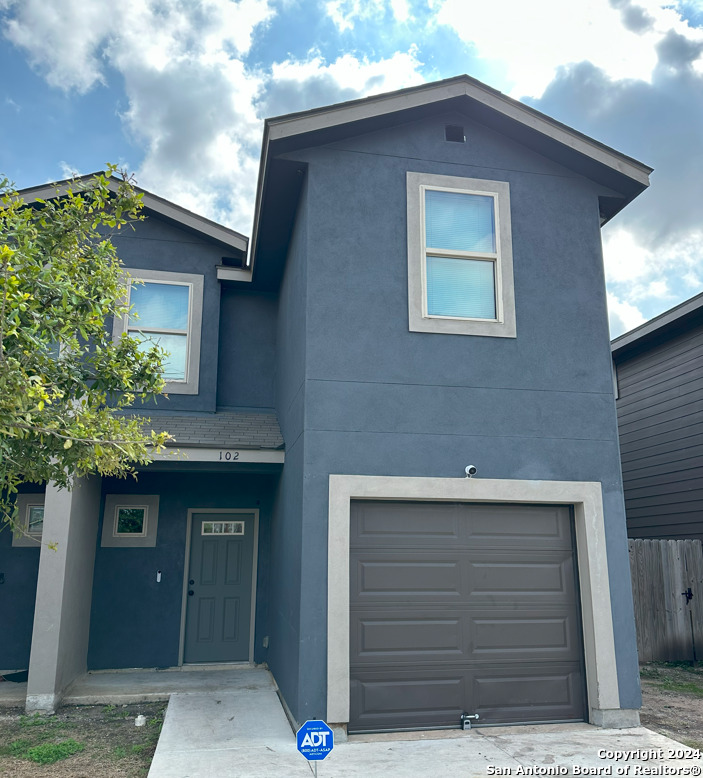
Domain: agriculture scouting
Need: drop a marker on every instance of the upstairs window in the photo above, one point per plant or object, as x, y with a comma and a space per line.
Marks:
460, 277
160, 315
166, 310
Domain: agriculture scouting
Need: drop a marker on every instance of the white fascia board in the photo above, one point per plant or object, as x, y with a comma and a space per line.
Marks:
224, 454
225, 273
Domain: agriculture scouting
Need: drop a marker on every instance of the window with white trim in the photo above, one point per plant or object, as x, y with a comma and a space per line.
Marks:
30, 520
130, 520
166, 310
460, 274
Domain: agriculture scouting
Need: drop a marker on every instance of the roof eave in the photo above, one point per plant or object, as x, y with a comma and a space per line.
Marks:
158, 205
286, 126
654, 326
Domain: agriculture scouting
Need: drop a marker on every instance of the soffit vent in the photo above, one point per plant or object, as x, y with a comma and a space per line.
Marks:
454, 133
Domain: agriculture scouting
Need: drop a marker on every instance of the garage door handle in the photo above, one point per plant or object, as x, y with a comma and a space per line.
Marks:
190, 592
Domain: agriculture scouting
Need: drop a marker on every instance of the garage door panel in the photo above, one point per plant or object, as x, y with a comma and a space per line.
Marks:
414, 576
382, 638
391, 523
539, 525
399, 701
529, 637
502, 696
457, 634
512, 578
412, 697
407, 578
490, 610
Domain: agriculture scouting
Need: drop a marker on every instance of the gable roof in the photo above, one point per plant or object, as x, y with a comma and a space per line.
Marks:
536, 130
672, 321
167, 210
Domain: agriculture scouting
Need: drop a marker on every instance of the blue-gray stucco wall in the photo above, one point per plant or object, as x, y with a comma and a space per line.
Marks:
154, 244
247, 345
135, 621
20, 567
287, 647
380, 400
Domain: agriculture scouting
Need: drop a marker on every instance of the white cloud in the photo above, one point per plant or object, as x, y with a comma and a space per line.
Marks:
643, 282
530, 41
193, 104
296, 85
63, 40
190, 96
401, 10
68, 170
346, 13
623, 316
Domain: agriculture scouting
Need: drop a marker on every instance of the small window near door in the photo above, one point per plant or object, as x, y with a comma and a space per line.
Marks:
30, 520
222, 528
131, 520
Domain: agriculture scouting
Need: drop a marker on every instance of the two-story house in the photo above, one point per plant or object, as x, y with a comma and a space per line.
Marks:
423, 291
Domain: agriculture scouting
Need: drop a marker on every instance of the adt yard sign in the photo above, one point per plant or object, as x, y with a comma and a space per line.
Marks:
315, 740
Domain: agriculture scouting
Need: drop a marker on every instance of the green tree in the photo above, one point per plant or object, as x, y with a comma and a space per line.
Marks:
62, 378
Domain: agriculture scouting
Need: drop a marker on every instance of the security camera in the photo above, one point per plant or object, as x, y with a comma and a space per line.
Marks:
470, 470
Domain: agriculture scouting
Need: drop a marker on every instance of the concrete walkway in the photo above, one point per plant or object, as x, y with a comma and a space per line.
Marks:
244, 733
121, 687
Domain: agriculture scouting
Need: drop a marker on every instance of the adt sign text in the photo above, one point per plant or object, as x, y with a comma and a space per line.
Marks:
315, 740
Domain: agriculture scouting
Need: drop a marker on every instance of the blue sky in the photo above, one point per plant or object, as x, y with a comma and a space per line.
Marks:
176, 92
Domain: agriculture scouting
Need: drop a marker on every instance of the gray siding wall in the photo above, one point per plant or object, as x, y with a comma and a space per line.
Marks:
380, 400
660, 418
286, 645
135, 621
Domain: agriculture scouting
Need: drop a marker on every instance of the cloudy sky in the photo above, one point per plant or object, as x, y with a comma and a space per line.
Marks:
175, 91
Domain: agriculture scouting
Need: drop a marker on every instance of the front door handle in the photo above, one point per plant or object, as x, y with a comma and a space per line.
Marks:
190, 592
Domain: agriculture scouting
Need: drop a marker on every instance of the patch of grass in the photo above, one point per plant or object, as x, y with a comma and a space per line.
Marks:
649, 672
105, 734
686, 687
157, 721
19, 748
48, 753
37, 720
697, 744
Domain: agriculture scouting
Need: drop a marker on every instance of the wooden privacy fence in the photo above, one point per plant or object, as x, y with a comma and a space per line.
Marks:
667, 587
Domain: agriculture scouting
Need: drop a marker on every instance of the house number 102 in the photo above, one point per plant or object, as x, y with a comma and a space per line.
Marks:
229, 456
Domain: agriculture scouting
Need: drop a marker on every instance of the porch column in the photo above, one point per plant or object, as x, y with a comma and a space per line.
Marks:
64, 592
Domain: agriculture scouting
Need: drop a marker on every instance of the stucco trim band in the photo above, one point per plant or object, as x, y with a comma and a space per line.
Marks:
584, 496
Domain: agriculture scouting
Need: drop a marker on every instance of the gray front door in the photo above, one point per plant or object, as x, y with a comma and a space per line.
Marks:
218, 605
460, 607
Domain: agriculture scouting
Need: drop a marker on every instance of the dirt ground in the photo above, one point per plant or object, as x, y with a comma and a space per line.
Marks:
113, 747
672, 697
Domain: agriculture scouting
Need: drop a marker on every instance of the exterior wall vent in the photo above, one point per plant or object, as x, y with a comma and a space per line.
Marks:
454, 133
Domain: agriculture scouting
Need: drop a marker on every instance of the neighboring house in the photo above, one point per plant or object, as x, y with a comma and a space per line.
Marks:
423, 291
659, 375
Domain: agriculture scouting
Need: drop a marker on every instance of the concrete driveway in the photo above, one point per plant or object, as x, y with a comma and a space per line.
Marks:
244, 733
